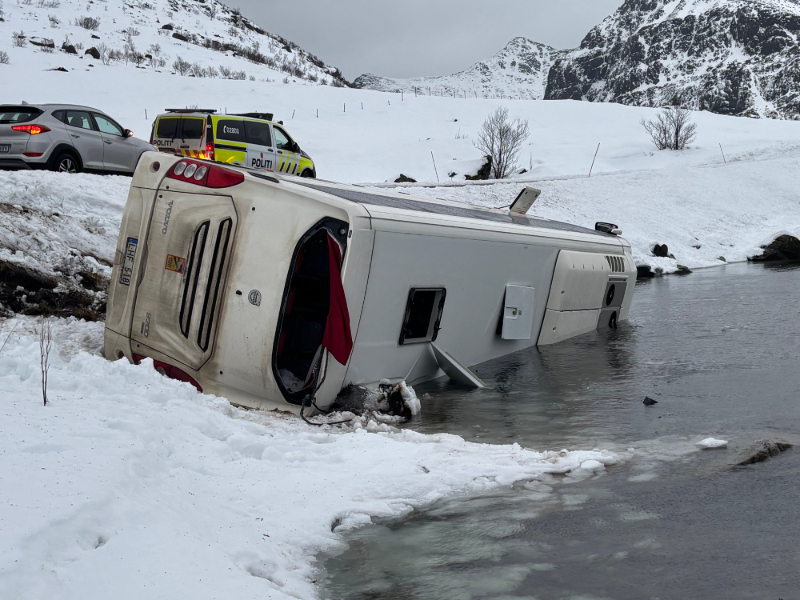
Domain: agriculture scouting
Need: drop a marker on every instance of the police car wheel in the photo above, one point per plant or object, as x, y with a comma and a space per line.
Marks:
308, 173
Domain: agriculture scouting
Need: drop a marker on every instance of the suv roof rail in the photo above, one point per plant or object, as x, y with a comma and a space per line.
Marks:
255, 115
191, 110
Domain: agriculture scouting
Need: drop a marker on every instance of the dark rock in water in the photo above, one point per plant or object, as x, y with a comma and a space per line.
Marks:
683, 270
722, 258
644, 272
397, 405
661, 250
93, 52
763, 450
358, 400
784, 247
648, 401
404, 179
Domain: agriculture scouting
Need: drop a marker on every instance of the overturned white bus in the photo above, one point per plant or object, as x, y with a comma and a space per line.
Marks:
275, 291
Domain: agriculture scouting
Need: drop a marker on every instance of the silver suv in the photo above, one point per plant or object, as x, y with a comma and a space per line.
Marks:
66, 138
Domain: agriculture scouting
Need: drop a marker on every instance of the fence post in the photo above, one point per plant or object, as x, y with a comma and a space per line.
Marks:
723, 153
594, 159
434, 167
293, 113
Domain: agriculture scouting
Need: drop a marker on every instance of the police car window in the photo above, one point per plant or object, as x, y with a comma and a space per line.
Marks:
257, 133
193, 128
281, 140
106, 125
167, 127
231, 130
79, 119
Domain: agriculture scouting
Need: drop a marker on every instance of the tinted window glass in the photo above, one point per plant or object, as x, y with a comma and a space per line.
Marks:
193, 128
282, 140
167, 127
257, 133
231, 130
18, 114
79, 119
106, 125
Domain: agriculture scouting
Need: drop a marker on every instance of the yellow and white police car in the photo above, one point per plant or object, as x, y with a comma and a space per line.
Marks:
249, 139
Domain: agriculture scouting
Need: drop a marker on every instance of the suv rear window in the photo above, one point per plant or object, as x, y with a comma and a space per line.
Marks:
167, 127
231, 130
18, 114
193, 128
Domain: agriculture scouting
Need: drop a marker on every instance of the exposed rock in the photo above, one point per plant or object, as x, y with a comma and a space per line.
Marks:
168, 27
42, 42
728, 57
722, 258
93, 52
483, 173
68, 48
660, 250
180, 36
683, 270
404, 179
644, 272
783, 247
648, 401
763, 450
95, 37
60, 69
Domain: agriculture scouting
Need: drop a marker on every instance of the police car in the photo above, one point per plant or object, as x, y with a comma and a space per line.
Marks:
248, 139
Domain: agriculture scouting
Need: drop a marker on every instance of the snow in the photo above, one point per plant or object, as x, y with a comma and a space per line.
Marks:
131, 485
711, 443
410, 398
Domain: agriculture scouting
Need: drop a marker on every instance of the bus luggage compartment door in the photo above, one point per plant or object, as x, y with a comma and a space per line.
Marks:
179, 301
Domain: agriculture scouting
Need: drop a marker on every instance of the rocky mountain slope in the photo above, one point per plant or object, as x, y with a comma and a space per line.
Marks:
737, 57
202, 38
519, 70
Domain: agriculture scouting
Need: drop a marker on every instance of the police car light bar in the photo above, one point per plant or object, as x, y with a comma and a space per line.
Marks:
191, 110
255, 115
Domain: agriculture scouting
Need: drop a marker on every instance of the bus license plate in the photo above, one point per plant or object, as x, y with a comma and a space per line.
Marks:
126, 273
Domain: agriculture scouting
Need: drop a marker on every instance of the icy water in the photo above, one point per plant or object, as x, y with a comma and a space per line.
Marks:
718, 349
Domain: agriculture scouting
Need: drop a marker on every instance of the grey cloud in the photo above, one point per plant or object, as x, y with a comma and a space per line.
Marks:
422, 37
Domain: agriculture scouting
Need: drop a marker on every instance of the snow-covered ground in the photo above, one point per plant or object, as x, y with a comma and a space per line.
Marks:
131, 485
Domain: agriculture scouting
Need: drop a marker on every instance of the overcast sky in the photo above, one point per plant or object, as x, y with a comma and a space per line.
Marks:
408, 38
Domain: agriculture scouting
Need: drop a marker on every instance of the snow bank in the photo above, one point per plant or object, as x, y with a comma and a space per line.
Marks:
130, 485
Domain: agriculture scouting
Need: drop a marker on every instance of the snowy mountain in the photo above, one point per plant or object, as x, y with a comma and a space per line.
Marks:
202, 38
737, 57
519, 70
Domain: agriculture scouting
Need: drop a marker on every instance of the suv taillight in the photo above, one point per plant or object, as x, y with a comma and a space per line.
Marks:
199, 173
210, 151
32, 129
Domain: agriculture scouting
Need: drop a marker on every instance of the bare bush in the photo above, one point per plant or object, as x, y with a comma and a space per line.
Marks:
672, 128
54, 21
45, 345
19, 39
181, 66
3, 57
501, 140
89, 23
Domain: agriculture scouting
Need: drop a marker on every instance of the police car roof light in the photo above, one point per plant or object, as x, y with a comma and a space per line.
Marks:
191, 110
215, 177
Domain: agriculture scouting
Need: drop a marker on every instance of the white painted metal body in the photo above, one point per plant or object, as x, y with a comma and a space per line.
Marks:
394, 243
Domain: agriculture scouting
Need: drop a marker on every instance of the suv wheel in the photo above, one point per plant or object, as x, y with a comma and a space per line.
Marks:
308, 173
66, 163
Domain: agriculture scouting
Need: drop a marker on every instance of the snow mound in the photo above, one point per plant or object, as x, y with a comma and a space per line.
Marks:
711, 443
132, 485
